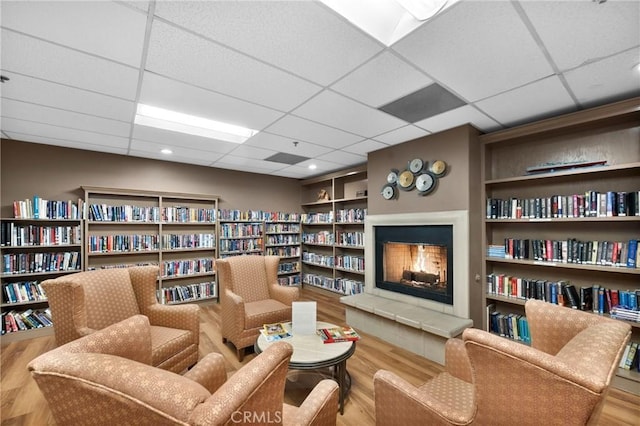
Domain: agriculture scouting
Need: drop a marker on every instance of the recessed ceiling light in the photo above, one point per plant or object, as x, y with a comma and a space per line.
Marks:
312, 166
166, 151
147, 115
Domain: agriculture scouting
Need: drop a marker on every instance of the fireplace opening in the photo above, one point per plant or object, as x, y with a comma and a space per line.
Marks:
416, 260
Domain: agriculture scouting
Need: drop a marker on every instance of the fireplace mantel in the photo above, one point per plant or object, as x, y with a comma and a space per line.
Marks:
459, 221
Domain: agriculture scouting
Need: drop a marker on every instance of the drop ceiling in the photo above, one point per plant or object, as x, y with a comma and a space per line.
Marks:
312, 83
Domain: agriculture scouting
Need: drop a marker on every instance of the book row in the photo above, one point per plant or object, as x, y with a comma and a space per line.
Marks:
38, 208
318, 259
24, 291
187, 267
17, 235
241, 245
288, 267
258, 215
123, 213
290, 280
14, 321
283, 228
188, 215
571, 250
509, 325
121, 265
190, 292
283, 239
354, 263
317, 218
238, 230
322, 238
350, 238
589, 204
188, 241
351, 215
593, 298
630, 359
340, 285
122, 243
283, 251
23, 263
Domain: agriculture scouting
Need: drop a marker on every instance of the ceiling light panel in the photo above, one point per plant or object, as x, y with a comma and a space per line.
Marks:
317, 44
473, 57
376, 82
564, 25
208, 65
106, 29
67, 66
34, 90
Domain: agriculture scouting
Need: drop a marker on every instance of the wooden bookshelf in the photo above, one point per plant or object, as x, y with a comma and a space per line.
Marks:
176, 231
609, 133
333, 231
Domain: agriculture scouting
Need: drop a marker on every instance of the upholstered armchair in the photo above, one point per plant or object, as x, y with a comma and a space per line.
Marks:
105, 378
84, 302
562, 378
251, 297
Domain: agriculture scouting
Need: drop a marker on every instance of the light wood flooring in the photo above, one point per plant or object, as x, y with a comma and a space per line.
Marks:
23, 404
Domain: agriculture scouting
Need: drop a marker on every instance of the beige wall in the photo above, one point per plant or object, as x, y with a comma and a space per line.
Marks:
459, 189
57, 173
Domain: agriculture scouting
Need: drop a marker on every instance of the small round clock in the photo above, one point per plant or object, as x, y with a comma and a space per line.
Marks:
416, 165
392, 177
438, 167
425, 183
406, 180
388, 191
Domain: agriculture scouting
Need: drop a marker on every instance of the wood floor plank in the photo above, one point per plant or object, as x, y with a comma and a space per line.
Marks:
22, 403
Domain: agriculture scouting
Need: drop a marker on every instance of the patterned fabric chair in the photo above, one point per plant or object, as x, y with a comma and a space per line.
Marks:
562, 378
251, 297
84, 302
105, 379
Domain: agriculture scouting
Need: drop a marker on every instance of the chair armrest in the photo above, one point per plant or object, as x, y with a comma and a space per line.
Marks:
232, 313
320, 407
210, 372
184, 317
284, 294
457, 360
399, 402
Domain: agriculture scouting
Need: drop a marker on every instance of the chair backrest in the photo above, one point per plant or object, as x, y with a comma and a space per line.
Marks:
91, 299
518, 384
248, 276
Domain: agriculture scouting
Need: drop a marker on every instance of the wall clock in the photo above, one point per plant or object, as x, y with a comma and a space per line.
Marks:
388, 191
406, 180
425, 183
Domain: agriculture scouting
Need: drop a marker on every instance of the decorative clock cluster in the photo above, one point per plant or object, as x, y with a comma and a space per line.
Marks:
418, 174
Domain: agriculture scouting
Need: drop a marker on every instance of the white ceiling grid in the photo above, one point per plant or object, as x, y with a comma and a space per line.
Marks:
308, 80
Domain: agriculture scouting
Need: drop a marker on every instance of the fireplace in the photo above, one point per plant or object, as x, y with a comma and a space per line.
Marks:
416, 260
440, 285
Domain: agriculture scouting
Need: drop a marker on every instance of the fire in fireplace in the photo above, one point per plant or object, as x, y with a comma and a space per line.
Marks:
416, 260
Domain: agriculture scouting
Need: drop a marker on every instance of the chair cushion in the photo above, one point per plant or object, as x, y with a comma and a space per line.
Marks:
264, 312
167, 342
454, 397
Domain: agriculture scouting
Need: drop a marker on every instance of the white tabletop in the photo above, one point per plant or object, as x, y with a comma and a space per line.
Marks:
309, 350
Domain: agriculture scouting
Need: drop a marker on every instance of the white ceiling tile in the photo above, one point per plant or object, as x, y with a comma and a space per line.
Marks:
142, 5
476, 49
170, 94
457, 117
337, 111
203, 157
251, 164
195, 159
61, 65
608, 80
252, 152
534, 101
102, 28
181, 140
321, 166
293, 172
382, 80
303, 37
36, 91
343, 157
301, 129
364, 147
402, 134
283, 144
58, 117
62, 133
564, 26
65, 143
205, 64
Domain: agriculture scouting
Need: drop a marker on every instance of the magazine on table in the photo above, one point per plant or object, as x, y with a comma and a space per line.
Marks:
275, 331
338, 334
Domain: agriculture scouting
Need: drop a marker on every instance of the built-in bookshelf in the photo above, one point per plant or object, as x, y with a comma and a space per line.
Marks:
282, 238
334, 207
175, 231
43, 240
561, 219
241, 232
